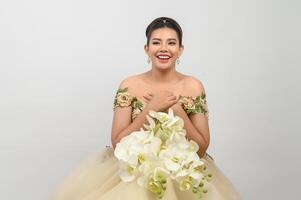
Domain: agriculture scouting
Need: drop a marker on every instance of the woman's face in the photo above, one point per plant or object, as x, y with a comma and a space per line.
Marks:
164, 48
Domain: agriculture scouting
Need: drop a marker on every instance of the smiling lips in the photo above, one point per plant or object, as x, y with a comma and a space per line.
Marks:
163, 57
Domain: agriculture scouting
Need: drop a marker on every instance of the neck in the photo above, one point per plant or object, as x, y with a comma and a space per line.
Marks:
169, 75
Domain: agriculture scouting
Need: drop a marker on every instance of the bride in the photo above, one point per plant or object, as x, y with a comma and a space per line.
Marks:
160, 89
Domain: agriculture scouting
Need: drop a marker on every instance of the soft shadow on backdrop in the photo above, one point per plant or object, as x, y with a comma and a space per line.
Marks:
62, 61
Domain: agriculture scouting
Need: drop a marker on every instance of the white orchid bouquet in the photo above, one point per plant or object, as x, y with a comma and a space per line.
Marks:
161, 151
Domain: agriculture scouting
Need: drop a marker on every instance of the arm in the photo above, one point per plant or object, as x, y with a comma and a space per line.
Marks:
196, 128
122, 125
195, 123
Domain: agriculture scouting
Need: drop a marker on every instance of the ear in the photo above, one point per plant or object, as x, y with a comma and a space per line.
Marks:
146, 49
181, 50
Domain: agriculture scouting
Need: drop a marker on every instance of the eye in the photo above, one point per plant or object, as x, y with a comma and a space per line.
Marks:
155, 43
172, 43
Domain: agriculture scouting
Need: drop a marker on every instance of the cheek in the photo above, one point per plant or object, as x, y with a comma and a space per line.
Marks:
152, 49
175, 52
153, 52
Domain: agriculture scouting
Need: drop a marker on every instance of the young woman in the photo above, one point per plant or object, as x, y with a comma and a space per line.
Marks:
160, 88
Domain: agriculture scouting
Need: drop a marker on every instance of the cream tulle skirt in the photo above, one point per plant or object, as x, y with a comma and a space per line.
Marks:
96, 178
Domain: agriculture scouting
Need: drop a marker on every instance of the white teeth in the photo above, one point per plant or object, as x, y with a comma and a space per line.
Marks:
163, 57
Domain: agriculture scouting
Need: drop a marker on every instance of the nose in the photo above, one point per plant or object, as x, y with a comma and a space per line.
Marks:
163, 48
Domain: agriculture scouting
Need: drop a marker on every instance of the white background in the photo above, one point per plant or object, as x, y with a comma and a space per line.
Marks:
61, 62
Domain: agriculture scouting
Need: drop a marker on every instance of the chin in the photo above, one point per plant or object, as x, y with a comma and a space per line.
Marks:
163, 66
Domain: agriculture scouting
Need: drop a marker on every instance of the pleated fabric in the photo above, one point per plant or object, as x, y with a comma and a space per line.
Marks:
96, 178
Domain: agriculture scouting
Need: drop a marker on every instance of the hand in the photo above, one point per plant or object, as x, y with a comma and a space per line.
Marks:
176, 107
147, 97
160, 101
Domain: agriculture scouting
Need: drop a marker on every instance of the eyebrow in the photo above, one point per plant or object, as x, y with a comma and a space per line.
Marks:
167, 39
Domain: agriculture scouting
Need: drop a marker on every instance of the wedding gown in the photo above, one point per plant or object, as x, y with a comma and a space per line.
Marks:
97, 177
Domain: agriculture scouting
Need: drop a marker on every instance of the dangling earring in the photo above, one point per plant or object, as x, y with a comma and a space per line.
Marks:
148, 60
178, 61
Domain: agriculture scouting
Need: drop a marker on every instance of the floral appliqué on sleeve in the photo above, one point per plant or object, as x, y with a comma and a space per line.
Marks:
196, 104
123, 99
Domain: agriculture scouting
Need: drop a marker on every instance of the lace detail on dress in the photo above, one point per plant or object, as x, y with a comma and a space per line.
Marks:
138, 106
190, 104
196, 104
123, 99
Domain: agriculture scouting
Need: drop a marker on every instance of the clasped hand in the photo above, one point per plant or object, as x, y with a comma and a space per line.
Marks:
162, 101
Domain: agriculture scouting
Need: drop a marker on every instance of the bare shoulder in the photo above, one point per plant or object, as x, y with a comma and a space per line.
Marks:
131, 82
126, 82
193, 86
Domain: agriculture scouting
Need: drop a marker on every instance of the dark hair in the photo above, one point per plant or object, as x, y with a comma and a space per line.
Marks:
162, 22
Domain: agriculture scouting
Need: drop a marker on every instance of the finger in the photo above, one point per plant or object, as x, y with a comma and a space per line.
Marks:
145, 99
172, 97
148, 97
150, 94
172, 102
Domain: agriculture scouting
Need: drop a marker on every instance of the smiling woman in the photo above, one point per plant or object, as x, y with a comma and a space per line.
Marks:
164, 42
154, 155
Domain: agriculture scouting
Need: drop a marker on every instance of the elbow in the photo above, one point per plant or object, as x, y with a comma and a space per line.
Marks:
202, 150
113, 140
114, 143
206, 137
204, 147
205, 143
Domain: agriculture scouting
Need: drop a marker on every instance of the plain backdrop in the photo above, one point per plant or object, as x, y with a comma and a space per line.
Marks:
61, 62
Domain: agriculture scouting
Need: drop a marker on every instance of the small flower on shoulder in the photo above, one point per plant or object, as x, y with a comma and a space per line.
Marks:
187, 102
123, 98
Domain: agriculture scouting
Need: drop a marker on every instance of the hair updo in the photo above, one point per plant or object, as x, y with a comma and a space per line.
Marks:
162, 22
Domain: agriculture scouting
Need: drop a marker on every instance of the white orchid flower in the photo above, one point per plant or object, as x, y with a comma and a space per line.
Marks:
181, 141
151, 122
159, 152
161, 116
127, 172
192, 166
172, 158
187, 182
137, 147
